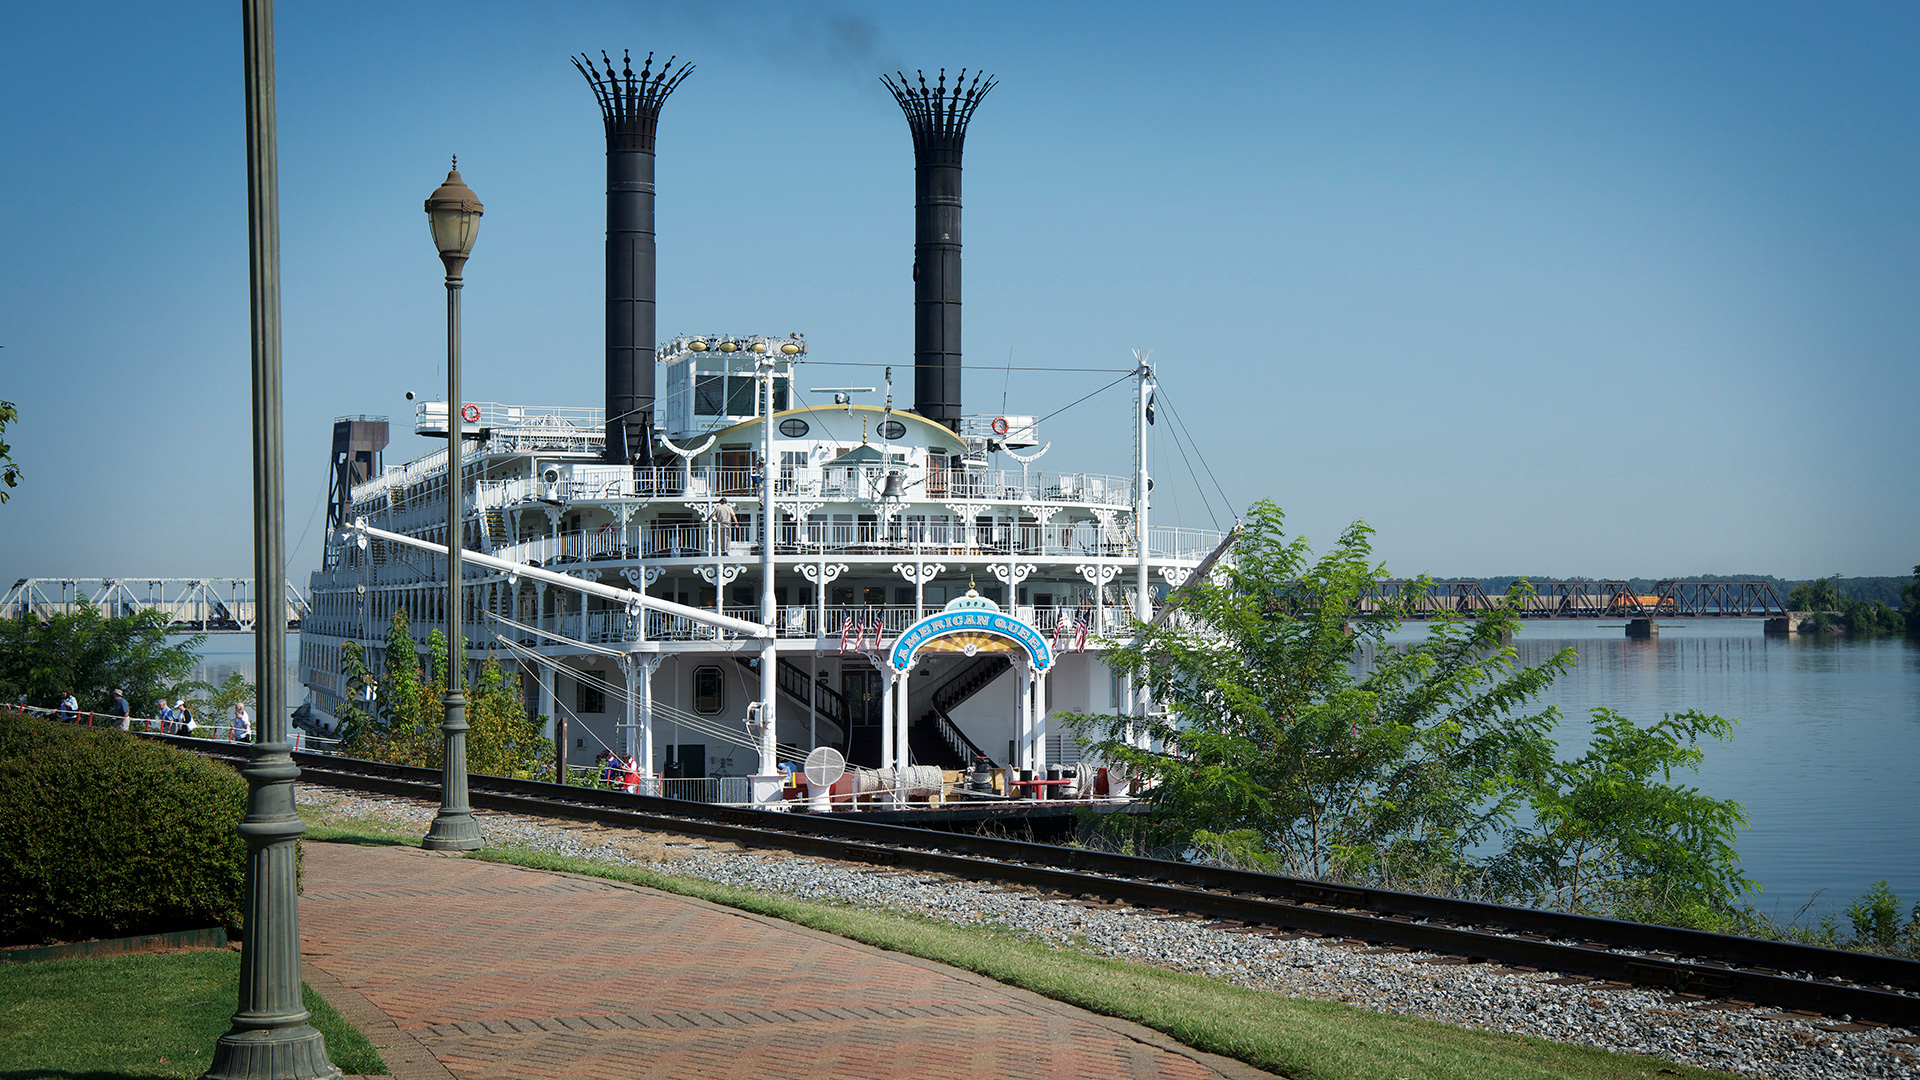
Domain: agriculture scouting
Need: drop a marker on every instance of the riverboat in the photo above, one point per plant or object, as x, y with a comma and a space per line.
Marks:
749, 568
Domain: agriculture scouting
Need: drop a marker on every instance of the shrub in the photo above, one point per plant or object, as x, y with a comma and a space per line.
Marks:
104, 835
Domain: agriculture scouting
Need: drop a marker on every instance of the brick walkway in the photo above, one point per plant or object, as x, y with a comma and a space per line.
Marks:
475, 970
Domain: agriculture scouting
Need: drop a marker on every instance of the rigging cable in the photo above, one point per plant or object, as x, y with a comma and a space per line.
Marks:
1123, 378
1171, 411
1199, 487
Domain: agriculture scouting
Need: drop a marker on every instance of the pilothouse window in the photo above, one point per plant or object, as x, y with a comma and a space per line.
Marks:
709, 395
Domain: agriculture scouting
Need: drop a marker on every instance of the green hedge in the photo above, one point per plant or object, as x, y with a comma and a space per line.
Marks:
104, 835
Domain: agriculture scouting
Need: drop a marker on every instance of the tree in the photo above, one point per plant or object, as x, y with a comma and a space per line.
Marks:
1296, 738
400, 722
94, 655
1911, 597
9, 471
1607, 835
1851, 614
1818, 595
1275, 742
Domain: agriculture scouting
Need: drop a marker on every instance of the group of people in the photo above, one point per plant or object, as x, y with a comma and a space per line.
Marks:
620, 773
174, 719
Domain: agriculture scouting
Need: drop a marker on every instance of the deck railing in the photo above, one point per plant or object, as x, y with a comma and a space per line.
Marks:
803, 622
977, 540
589, 482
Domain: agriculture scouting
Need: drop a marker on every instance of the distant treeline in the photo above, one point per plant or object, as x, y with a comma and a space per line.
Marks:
1886, 590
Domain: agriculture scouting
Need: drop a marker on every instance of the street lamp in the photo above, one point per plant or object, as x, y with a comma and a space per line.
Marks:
270, 1036
454, 215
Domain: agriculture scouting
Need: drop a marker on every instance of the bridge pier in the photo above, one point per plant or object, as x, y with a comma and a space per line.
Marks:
1790, 623
1642, 628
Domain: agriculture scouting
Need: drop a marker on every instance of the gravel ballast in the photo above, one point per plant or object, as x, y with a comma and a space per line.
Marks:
1757, 1042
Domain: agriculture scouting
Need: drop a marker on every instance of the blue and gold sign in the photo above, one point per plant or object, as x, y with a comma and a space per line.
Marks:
971, 631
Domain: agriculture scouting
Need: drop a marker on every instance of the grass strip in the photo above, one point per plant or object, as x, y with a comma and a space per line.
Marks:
1299, 1038
154, 1015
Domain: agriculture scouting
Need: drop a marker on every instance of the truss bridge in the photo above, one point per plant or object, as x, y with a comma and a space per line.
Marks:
192, 605
1669, 601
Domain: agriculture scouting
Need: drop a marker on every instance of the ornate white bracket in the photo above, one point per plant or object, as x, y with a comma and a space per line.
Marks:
822, 573
1041, 514
641, 575
1098, 574
727, 572
798, 511
1175, 576
1011, 573
1105, 517
650, 662
919, 573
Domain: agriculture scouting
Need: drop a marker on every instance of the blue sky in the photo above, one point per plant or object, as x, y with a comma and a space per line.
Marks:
1534, 288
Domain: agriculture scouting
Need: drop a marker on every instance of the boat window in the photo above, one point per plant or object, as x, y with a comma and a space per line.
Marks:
709, 395
588, 699
740, 395
709, 690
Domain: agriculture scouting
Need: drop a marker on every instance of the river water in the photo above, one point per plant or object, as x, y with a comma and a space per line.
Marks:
1824, 758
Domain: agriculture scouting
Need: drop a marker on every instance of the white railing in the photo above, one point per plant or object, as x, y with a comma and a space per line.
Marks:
803, 621
697, 540
582, 482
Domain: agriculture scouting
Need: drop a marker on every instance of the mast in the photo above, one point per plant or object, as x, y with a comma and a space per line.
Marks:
1142, 594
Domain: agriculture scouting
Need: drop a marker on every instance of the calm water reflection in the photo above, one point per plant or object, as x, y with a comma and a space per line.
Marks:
1824, 757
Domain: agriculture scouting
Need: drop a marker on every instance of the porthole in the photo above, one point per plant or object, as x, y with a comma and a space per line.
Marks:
793, 427
893, 429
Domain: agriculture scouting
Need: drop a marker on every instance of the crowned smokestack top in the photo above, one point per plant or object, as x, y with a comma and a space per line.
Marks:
937, 115
630, 106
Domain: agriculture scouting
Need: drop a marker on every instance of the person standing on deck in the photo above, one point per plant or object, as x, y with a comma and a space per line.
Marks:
120, 710
242, 723
69, 706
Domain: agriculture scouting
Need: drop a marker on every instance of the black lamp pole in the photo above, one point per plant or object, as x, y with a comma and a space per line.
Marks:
270, 1036
454, 214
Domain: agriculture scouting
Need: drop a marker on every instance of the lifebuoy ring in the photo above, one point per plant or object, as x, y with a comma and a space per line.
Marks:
470, 413
1000, 426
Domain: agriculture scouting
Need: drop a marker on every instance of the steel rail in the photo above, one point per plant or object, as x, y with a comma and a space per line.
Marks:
1682, 961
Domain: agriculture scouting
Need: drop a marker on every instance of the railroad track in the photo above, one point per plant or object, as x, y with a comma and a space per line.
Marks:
1860, 986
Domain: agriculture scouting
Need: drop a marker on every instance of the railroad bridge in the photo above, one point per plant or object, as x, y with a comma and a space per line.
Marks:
205, 605
1669, 600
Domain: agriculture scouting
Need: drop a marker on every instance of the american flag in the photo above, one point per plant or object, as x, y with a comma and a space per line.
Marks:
846, 629
1080, 635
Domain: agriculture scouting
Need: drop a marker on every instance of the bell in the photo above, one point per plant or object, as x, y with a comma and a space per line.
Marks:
892, 488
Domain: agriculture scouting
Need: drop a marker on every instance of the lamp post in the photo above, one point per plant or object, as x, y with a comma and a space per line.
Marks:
270, 1036
454, 215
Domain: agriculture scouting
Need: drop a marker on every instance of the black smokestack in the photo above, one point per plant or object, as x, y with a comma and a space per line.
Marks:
938, 118
630, 105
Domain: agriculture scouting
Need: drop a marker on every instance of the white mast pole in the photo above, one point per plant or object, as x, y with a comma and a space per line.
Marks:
768, 656
1142, 596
